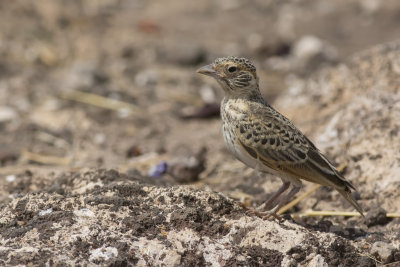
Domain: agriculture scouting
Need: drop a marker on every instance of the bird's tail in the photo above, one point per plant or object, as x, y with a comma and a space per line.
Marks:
346, 193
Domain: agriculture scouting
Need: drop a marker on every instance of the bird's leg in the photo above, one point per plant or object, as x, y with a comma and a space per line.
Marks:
269, 203
281, 203
257, 170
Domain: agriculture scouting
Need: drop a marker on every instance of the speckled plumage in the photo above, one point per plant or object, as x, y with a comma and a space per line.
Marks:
264, 139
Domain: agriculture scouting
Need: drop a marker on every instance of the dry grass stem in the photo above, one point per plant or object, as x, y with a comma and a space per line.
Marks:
100, 101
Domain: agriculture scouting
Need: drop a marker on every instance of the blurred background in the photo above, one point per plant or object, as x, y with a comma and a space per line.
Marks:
113, 83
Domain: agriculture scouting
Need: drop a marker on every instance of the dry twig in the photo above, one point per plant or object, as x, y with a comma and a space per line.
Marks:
100, 101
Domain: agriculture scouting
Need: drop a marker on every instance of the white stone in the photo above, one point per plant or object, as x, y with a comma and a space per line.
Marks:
84, 212
10, 178
103, 253
307, 47
7, 114
44, 212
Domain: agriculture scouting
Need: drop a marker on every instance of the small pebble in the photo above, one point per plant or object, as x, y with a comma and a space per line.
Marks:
84, 212
185, 54
158, 170
147, 77
188, 169
10, 178
45, 212
208, 94
383, 250
376, 216
7, 114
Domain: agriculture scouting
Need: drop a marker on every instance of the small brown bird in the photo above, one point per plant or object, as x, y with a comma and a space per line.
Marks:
267, 141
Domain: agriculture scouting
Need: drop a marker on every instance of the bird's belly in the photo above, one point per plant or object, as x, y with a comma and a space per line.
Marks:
236, 149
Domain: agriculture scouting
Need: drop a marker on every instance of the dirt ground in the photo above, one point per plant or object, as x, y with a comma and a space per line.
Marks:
112, 84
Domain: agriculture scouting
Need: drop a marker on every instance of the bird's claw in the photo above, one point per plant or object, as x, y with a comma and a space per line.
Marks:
265, 215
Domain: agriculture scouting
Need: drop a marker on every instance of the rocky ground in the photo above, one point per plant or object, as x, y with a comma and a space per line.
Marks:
111, 151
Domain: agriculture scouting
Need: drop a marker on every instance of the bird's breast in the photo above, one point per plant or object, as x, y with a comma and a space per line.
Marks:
232, 113
234, 110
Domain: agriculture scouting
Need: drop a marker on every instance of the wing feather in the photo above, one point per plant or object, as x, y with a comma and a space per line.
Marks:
282, 147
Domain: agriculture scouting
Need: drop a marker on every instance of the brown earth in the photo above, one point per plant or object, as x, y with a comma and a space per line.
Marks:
74, 177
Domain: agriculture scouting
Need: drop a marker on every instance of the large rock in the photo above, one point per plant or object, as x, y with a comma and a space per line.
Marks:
108, 218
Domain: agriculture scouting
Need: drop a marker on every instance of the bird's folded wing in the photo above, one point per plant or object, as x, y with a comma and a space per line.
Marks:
281, 147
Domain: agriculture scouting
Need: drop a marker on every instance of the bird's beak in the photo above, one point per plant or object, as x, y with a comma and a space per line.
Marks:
207, 70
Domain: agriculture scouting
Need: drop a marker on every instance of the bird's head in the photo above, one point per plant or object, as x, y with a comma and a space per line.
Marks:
237, 76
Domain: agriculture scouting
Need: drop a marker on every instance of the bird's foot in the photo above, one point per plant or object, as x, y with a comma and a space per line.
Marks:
265, 215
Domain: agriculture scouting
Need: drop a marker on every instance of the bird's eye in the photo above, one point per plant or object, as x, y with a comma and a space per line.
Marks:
232, 69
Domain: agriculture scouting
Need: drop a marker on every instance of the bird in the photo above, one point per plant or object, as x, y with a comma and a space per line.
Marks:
267, 141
